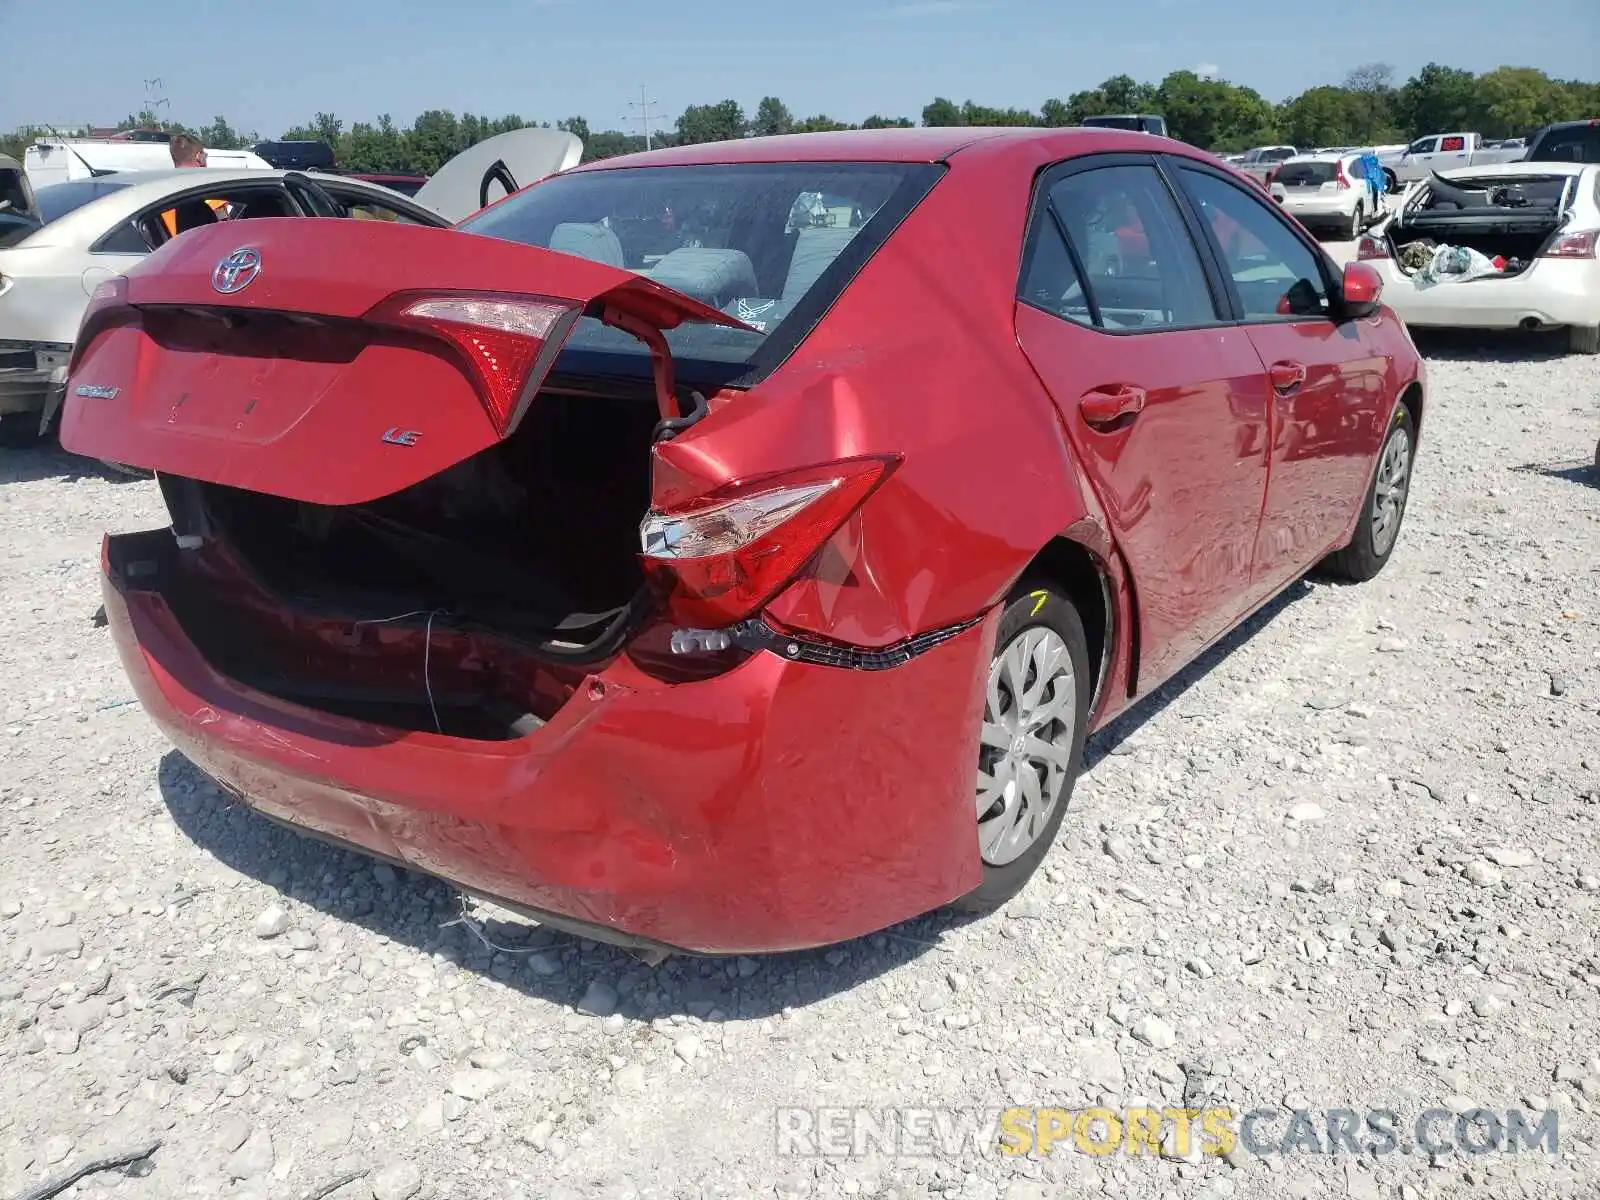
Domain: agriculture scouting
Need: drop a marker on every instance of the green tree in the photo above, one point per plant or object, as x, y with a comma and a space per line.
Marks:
1213, 113
942, 113
1055, 114
981, 116
577, 127
711, 123
1323, 116
820, 124
1517, 101
1124, 94
1439, 99
877, 122
219, 135
772, 118
1377, 108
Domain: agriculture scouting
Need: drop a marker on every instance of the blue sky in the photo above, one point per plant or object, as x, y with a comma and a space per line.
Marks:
268, 64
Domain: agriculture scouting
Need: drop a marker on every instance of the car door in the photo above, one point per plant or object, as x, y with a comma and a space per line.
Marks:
1454, 151
1164, 402
1418, 158
1326, 379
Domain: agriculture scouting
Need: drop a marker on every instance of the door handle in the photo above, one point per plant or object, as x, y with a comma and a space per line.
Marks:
1286, 376
1105, 406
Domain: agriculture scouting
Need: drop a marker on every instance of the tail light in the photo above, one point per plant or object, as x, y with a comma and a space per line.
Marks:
1573, 245
1372, 249
1339, 177
723, 557
108, 297
505, 339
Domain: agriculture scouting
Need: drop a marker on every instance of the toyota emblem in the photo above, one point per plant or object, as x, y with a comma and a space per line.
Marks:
237, 271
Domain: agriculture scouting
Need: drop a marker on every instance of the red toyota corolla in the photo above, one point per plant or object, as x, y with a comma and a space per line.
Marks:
729, 548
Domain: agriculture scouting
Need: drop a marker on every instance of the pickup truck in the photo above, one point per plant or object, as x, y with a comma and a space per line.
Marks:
1261, 162
1442, 152
1567, 141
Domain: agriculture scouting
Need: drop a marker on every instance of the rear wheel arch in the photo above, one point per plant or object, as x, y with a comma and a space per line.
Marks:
1084, 578
1412, 399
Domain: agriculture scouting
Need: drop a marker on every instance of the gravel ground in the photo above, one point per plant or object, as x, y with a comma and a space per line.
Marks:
1351, 860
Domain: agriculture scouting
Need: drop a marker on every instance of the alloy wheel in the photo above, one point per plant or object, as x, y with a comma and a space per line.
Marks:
1025, 750
1389, 494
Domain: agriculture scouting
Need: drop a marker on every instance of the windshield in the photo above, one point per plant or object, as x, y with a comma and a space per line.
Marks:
57, 200
765, 243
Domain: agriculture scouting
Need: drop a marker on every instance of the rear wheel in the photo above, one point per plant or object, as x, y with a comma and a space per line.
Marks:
1385, 508
1583, 339
1356, 224
1036, 710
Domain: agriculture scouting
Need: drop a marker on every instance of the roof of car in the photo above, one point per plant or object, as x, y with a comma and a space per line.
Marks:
919, 145
1500, 170
135, 189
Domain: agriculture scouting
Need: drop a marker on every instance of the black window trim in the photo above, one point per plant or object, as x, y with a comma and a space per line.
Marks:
348, 192
1218, 286
193, 193
1174, 165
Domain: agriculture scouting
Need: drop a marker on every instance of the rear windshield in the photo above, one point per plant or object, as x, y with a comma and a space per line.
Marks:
1580, 144
770, 244
1308, 174
57, 200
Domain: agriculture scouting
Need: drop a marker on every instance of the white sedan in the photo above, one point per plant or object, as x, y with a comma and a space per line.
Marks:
1507, 246
90, 230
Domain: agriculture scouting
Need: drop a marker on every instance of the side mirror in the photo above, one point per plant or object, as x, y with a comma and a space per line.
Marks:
1362, 286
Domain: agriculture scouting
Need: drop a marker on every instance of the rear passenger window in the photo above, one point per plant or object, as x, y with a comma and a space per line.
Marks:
1274, 272
1051, 281
1139, 265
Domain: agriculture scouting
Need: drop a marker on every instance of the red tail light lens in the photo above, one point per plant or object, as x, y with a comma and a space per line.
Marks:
504, 339
1370, 249
719, 560
1339, 177
1574, 245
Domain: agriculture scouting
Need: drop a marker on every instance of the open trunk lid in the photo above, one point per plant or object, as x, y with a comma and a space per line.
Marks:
16, 193
496, 167
336, 361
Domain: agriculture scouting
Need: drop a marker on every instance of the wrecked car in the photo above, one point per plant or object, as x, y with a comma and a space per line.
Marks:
1508, 247
692, 578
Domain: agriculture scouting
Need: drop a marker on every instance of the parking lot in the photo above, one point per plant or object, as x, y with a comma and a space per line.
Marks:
1349, 861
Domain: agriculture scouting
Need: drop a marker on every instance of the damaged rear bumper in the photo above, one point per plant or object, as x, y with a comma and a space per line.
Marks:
781, 805
33, 380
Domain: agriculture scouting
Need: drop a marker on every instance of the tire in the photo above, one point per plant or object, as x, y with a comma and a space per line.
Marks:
1391, 182
1356, 224
1039, 627
1375, 540
1583, 339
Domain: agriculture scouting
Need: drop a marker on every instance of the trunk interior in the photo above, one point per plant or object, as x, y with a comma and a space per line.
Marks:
1510, 218
522, 556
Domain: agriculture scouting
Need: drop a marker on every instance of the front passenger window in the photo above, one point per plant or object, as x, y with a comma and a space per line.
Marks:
1275, 273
